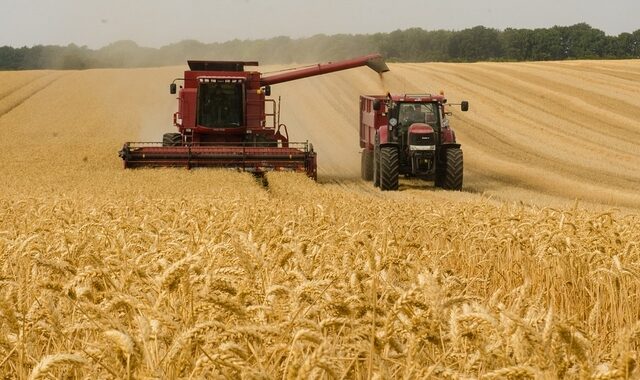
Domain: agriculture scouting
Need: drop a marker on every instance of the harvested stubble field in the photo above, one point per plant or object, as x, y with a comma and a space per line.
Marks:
107, 273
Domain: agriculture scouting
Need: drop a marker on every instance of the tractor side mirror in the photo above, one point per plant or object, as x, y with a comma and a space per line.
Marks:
172, 88
267, 90
376, 105
464, 106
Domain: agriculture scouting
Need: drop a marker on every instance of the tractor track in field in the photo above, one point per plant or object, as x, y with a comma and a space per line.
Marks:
352, 185
407, 187
7, 105
17, 85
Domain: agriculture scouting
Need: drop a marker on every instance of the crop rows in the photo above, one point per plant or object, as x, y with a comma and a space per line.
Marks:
300, 280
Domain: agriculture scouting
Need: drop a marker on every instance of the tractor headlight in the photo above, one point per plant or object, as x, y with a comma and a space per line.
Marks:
422, 147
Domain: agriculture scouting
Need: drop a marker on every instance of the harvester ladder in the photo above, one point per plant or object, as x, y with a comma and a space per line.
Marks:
275, 114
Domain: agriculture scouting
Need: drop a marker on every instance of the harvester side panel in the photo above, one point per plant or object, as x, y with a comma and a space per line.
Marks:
254, 107
187, 108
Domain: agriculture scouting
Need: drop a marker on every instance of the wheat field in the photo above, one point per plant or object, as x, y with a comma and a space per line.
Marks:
533, 271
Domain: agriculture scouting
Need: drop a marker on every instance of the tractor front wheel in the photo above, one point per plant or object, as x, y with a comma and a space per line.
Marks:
171, 139
449, 174
389, 168
366, 165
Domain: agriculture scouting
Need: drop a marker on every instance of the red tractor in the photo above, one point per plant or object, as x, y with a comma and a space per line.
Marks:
225, 120
409, 135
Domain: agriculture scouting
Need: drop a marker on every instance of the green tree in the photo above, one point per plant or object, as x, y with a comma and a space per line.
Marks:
579, 41
518, 44
475, 44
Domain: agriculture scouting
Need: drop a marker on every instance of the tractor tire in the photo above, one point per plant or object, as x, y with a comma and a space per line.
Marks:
452, 170
366, 165
389, 168
441, 172
376, 167
171, 139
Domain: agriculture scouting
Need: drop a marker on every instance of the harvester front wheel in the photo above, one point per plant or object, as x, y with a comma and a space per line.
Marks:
366, 165
451, 171
389, 168
171, 139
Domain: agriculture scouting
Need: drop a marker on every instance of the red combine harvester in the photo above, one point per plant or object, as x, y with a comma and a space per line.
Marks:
222, 120
410, 135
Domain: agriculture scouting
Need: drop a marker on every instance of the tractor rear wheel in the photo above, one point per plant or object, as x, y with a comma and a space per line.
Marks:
171, 139
376, 167
366, 165
451, 170
389, 168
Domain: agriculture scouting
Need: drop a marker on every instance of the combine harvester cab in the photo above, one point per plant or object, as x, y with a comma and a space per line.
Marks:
225, 119
409, 134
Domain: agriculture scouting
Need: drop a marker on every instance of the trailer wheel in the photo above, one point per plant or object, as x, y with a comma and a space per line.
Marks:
389, 168
366, 165
452, 170
171, 139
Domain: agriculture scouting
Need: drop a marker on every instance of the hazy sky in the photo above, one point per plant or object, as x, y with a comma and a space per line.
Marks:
96, 23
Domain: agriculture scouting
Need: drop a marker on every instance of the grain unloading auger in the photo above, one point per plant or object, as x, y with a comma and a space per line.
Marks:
222, 120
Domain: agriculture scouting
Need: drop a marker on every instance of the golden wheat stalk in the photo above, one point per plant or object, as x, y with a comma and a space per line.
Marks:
49, 362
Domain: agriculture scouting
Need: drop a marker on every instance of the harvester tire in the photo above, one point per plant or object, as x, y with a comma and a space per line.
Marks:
366, 165
389, 168
171, 139
452, 170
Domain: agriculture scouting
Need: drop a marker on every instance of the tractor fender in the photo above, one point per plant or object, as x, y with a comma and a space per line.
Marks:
448, 136
442, 150
384, 135
448, 146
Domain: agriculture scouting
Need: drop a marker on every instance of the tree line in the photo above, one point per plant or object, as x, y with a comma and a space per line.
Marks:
580, 41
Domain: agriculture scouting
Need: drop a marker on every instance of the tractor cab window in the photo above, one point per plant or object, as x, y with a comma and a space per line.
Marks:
220, 104
410, 113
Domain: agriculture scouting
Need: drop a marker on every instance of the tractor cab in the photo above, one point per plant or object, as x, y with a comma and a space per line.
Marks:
418, 123
417, 127
410, 113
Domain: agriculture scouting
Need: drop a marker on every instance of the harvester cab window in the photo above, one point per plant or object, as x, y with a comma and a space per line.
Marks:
410, 113
220, 104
